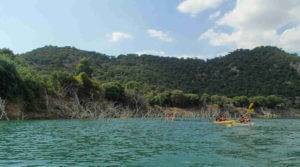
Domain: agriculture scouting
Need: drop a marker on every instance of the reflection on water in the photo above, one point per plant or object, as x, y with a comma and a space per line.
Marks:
149, 142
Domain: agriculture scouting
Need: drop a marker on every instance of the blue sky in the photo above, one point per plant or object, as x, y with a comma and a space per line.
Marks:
181, 28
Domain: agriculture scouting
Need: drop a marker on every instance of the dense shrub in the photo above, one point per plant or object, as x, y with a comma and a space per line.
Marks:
273, 101
240, 101
220, 100
260, 101
113, 91
192, 99
204, 99
84, 66
178, 98
10, 81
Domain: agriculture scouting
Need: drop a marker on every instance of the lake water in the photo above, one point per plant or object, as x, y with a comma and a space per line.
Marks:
149, 142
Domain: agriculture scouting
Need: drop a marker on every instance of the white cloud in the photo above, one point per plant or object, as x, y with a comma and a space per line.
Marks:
152, 52
163, 36
180, 55
214, 15
119, 36
290, 39
258, 22
193, 7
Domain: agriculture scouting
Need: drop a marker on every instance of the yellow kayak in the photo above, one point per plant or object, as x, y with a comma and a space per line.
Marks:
226, 123
230, 123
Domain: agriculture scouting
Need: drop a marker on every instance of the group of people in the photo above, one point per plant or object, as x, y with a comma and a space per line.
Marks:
243, 118
221, 118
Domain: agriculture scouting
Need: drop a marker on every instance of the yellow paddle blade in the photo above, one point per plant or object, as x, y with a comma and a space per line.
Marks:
250, 108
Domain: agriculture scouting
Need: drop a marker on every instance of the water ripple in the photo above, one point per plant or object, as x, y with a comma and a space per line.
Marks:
148, 142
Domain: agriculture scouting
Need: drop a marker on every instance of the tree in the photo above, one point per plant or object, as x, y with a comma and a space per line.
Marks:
273, 101
204, 99
240, 101
192, 99
84, 66
6, 51
84, 81
10, 81
260, 101
178, 98
113, 91
220, 100
133, 86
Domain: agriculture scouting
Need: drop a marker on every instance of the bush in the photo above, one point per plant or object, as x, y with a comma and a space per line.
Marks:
204, 99
135, 101
259, 101
178, 98
273, 101
6, 51
240, 101
133, 86
220, 100
84, 81
84, 66
10, 81
161, 99
64, 82
113, 91
192, 99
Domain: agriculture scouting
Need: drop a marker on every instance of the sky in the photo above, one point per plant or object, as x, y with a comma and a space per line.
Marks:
179, 28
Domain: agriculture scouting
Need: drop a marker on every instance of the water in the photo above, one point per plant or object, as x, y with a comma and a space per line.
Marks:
149, 142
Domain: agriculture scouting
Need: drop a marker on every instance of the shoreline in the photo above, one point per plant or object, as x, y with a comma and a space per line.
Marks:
163, 113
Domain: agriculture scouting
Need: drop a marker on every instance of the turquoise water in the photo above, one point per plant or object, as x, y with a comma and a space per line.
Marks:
149, 142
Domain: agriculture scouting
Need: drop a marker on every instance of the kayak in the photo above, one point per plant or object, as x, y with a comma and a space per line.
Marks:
244, 124
230, 123
226, 122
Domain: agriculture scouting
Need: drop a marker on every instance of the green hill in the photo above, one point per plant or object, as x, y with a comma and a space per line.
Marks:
65, 82
261, 71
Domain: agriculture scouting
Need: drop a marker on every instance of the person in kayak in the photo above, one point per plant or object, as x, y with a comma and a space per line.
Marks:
221, 117
246, 118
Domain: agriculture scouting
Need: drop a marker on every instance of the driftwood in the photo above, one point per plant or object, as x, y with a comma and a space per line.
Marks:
2, 109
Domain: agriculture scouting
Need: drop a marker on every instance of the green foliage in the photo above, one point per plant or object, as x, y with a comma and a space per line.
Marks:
84, 80
273, 101
259, 101
163, 81
204, 99
84, 67
192, 99
220, 100
10, 81
261, 71
161, 99
178, 98
6, 51
113, 91
133, 86
240, 101
63, 81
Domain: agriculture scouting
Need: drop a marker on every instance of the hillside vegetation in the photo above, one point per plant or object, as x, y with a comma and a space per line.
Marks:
62, 80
